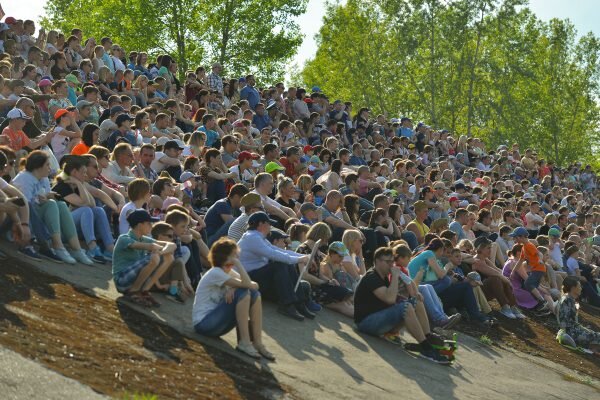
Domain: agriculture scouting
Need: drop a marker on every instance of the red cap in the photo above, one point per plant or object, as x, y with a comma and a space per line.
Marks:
59, 113
484, 203
308, 100
10, 20
245, 155
307, 148
453, 198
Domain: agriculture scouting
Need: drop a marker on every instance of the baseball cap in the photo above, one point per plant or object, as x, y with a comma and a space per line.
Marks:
187, 175
339, 248
485, 202
405, 119
45, 82
10, 20
307, 148
459, 186
249, 199
139, 216
572, 215
17, 113
474, 276
337, 102
272, 167
316, 89
315, 159
162, 140
72, 79
60, 112
277, 234
520, 231
84, 103
116, 109
122, 118
453, 198
306, 207
172, 144
316, 188
245, 155
259, 217
553, 232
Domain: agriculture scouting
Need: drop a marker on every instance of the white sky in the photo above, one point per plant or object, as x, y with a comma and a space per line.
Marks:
585, 14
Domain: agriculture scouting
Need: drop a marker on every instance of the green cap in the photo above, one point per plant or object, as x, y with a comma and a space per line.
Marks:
273, 166
339, 248
554, 232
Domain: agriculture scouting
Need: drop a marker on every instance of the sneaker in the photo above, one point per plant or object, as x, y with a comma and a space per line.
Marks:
80, 256
433, 355
541, 306
30, 252
392, 338
435, 339
543, 312
518, 313
452, 321
65, 257
96, 255
176, 298
107, 255
313, 306
50, 254
507, 312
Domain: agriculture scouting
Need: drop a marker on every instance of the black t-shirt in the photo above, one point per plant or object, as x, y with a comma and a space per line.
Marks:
544, 229
64, 189
290, 204
365, 301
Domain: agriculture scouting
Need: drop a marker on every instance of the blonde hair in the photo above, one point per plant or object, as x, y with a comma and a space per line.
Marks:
349, 237
320, 230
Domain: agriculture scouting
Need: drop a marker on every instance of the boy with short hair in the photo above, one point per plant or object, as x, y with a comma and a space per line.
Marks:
138, 192
139, 260
531, 256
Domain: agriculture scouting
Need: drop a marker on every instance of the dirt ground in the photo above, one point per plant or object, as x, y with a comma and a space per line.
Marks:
536, 336
115, 350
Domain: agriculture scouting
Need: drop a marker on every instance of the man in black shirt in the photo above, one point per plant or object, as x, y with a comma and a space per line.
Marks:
376, 311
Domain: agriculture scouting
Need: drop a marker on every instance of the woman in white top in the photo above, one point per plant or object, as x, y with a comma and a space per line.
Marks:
354, 262
331, 180
226, 299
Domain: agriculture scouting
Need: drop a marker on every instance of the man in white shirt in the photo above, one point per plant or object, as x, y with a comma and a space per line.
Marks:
533, 219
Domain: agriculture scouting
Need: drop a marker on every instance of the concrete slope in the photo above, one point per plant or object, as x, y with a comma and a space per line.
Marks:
327, 358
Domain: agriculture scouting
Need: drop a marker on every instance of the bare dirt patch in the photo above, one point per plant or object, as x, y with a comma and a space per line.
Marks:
112, 348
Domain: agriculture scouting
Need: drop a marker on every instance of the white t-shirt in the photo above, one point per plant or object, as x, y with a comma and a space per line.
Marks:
125, 211
3, 184
156, 164
556, 255
59, 143
247, 175
210, 292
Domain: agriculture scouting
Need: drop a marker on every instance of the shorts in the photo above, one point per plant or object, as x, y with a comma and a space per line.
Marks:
533, 280
125, 279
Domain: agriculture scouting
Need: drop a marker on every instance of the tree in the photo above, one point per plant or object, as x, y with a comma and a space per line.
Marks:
244, 36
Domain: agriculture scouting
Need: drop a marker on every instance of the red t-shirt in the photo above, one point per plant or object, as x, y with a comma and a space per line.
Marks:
290, 168
16, 139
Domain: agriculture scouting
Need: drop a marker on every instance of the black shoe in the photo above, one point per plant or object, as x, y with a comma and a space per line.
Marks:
290, 311
301, 307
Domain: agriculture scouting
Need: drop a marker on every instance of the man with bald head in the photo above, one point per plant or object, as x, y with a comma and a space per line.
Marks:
333, 204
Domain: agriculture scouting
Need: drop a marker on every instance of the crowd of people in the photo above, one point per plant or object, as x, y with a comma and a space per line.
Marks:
220, 190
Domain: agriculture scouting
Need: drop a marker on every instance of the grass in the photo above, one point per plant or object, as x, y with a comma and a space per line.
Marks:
139, 396
484, 339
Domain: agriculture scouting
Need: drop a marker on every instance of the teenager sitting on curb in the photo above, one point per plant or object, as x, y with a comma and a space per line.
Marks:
377, 312
228, 298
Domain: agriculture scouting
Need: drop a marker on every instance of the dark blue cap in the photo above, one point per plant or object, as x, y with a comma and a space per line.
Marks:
259, 217
139, 216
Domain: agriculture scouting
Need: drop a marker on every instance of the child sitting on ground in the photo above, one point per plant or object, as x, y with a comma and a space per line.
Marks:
139, 261
568, 319
174, 281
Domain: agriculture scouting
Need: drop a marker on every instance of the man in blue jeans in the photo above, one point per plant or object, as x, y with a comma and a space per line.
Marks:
377, 311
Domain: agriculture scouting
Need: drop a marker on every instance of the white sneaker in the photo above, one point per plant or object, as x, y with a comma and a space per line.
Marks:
518, 313
80, 256
507, 312
64, 255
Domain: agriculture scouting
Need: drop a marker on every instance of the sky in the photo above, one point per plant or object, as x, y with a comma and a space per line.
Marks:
585, 15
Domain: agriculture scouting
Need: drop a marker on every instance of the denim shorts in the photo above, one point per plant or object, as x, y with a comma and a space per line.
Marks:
533, 280
125, 279
383, 321
222, 318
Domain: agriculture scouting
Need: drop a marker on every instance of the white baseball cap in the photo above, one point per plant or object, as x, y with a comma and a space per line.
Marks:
17, 113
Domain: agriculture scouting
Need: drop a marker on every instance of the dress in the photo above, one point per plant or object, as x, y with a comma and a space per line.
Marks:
523, 297
569, 321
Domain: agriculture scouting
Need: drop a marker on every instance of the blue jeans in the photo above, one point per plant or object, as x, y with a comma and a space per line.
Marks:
460, 295
222, 231
383, 321
432, 304
222, 319
92, 223
441, 284
533, 280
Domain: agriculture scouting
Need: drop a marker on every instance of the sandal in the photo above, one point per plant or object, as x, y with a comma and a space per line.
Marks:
139, 299
150, 299
265, 353
248, 350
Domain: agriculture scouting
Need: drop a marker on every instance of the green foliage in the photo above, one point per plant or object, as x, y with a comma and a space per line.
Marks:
138, 396
488, 68
258, 36
484, 339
